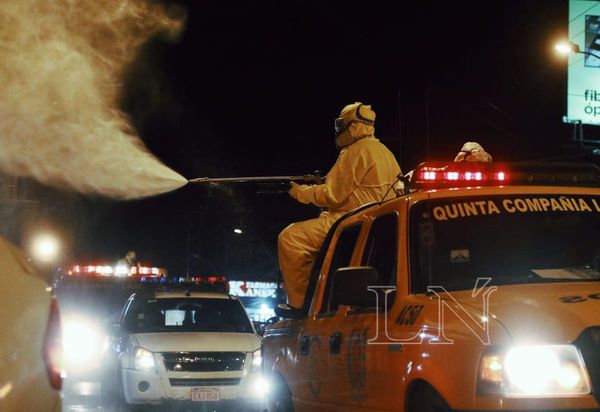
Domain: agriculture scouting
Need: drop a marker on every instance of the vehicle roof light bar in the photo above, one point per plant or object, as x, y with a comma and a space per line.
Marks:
434, 175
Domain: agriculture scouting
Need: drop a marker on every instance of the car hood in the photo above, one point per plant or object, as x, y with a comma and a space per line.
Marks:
542, 313
197, 342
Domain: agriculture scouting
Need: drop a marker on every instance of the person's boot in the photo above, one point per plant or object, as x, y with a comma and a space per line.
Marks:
286, 311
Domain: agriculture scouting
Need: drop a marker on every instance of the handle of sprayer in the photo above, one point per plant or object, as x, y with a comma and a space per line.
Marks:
314, 179
284, 186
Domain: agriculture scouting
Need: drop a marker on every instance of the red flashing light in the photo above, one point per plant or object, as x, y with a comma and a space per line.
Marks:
209, 283
429, 175
473, 176
210, 279
117, 271
452, 175
455, 174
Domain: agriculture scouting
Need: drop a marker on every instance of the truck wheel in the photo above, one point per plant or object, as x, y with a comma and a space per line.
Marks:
423, 398
280, 399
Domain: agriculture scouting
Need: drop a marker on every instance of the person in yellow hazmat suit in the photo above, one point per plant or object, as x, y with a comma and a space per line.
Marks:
364, 172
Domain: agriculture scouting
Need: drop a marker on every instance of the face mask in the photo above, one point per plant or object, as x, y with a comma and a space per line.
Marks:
343, 139
351, 134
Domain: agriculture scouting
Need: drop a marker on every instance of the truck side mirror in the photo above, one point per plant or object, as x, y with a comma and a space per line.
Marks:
272, 320
259, 327
350, 288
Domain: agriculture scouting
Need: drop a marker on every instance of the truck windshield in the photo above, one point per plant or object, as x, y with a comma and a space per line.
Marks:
187, 315
510, 239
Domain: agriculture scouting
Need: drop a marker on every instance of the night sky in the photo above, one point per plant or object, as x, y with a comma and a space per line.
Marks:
252, 88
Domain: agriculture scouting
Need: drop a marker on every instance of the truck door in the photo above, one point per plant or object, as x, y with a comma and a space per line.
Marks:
318, 384
363, 371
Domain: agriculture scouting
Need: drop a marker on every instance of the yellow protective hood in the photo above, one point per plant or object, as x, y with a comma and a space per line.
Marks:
361, 120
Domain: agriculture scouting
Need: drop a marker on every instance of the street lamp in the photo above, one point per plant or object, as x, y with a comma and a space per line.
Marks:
45, 248
568, 47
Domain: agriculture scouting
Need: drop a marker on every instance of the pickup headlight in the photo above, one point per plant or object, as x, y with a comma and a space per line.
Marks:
143, 359
534, 371
256, 360
81, 340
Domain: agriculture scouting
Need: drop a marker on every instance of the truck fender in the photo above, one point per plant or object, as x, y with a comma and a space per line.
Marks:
279, 364
435, 375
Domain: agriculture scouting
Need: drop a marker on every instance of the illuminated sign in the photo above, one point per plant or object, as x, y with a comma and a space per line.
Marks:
583, 92
253, 289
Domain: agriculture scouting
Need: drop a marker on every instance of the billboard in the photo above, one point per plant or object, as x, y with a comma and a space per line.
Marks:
583, 90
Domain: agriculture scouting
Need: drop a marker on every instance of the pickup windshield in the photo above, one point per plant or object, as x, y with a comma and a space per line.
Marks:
510, 239
187, 315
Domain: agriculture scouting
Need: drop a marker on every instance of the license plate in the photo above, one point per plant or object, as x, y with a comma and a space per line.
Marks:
205, 394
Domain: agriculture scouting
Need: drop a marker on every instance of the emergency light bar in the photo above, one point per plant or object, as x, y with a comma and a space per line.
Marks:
210, 280
434, 175
191, 284
118, 271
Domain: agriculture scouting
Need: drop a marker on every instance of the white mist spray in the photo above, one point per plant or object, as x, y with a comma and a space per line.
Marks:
61, 63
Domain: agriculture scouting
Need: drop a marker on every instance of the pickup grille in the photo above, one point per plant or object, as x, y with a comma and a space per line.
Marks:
204, 361
205, 382
589, 345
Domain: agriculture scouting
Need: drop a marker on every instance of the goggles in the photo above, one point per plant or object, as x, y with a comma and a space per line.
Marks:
340, 124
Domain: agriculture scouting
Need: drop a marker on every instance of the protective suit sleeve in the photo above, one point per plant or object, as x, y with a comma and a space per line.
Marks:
295, 190
339, 184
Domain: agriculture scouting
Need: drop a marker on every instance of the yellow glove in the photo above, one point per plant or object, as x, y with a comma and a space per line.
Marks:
302, 193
